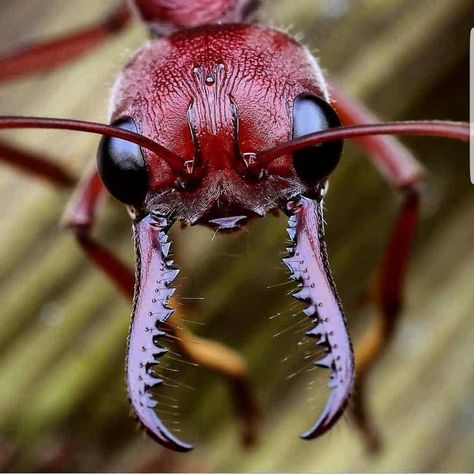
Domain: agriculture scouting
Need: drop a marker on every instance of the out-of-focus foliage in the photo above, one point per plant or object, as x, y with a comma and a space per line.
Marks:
63, 326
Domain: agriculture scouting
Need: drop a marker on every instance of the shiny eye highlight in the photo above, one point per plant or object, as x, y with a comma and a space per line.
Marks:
122, 167
312, 114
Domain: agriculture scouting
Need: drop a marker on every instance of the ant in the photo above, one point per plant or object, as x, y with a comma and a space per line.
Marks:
219, 121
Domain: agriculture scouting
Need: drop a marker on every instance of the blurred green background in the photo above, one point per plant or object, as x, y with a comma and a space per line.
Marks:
63, 327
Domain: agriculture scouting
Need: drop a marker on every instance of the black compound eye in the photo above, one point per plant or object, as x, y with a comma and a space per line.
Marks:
122, 166
311, 114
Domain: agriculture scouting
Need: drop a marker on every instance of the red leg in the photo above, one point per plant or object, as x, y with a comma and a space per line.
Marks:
79, 217
398, 166
394, 161
53, 53
35, 164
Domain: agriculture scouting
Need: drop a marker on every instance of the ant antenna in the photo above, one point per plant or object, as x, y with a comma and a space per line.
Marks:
175, 162
436, 128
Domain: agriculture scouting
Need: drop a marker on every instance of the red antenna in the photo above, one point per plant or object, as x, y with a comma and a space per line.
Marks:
432, 128
175, 162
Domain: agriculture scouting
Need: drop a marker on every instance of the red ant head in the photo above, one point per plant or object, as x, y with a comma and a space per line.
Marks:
216, 97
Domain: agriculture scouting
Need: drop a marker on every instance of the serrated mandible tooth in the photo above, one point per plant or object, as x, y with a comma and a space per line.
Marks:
322, 341
171, 275
316, 332
159, 352
165, 293
325, 362
165, 248
162, 237
151, 381
147, 399
291, 233
310, 310
156, 338
295, 275
288, 261
303, 294
166, 314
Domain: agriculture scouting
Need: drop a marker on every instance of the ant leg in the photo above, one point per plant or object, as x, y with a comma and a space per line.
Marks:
398, 166
35, 164
53, 53
79, 217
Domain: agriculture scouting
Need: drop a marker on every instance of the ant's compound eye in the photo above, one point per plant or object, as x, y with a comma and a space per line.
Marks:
122, 166
311, 114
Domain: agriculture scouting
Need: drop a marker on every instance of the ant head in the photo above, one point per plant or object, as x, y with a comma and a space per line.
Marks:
216, 97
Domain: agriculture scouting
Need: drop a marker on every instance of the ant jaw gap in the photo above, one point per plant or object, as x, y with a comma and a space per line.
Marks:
308, 264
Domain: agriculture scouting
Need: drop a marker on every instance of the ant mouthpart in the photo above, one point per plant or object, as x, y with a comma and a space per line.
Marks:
254, 169
250, 158
179, 183
189, 166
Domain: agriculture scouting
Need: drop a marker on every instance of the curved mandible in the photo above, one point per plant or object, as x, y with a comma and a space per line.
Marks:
155, 272
309, 266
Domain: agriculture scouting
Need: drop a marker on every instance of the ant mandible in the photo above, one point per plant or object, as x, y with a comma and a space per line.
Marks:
217, 121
